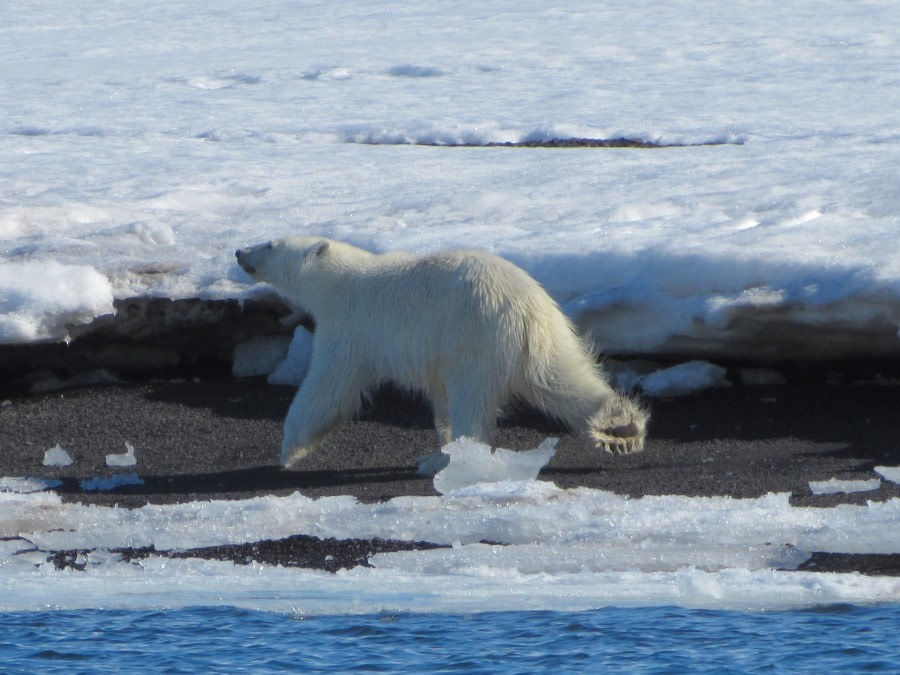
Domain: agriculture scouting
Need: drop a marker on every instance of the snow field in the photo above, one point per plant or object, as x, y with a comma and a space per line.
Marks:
178, 151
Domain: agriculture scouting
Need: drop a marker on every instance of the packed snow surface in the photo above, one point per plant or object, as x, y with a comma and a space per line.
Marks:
549, 548
143, 144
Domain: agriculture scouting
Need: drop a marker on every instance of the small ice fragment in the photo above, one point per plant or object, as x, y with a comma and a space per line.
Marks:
472, 462
57, 456
101, 484
834, 486
685, 378
125, 459
891, 473
429, 465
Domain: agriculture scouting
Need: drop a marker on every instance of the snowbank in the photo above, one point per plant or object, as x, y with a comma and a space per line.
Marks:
777, 242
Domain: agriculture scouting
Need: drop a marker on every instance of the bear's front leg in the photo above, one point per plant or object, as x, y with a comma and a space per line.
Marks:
326, 398
295, 445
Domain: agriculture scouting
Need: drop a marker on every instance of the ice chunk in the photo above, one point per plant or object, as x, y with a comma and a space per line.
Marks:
292, 369
685, 378
259, 355
125, 459
834, 486
99, 483
57, 456
891, 473
472, 462
429, 465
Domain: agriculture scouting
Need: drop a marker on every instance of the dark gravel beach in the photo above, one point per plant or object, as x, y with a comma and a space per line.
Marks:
199, 440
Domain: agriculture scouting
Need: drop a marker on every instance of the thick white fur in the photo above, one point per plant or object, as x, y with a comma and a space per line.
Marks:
469, 329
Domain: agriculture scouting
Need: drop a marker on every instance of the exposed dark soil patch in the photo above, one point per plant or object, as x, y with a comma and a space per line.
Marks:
872, 564
577, 143
299, 550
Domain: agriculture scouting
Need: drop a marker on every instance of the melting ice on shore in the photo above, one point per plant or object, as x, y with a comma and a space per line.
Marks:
472, 463
127, 458
99, 483
57, 456
26, 485
549, 548
834, 486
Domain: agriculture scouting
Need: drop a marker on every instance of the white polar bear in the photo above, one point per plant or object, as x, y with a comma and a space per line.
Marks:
471, 330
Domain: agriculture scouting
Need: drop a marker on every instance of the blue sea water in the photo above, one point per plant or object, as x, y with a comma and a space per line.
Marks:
829, 639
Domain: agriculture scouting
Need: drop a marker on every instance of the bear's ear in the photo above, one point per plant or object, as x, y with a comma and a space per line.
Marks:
320, 249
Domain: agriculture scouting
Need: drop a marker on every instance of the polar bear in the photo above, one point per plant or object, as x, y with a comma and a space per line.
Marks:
469, 329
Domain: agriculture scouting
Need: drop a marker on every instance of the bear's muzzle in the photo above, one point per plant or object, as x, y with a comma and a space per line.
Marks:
241, 256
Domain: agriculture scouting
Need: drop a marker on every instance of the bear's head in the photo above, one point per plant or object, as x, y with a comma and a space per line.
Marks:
308, 271
293, 265
279, 260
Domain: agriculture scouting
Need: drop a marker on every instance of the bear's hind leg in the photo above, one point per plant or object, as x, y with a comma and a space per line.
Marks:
438, 395
578, 395
473, 407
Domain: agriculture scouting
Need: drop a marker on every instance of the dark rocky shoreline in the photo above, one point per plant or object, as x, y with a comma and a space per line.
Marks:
157, 374
218, 439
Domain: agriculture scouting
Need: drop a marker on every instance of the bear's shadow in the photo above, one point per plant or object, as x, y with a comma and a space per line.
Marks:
264, 479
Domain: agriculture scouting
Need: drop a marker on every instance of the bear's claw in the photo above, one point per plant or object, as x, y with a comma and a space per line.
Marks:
621, 446
290, 457
620, 431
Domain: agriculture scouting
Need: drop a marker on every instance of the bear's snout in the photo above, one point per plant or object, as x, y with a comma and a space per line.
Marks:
241, 256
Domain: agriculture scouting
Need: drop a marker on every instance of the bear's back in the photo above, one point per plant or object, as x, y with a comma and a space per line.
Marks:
487, 277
